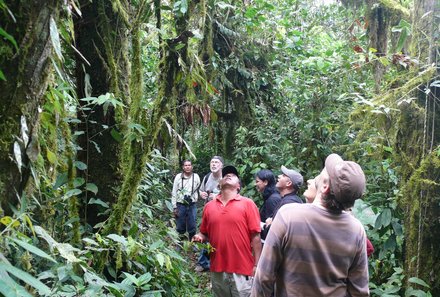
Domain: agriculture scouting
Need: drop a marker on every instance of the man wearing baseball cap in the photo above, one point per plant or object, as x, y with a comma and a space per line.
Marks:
318, 249
231, 223
287, 185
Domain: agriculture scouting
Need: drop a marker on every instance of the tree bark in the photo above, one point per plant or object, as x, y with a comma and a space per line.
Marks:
421, 203
101, 40
27, 72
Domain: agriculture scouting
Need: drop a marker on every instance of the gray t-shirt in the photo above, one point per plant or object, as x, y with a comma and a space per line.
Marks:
211, 184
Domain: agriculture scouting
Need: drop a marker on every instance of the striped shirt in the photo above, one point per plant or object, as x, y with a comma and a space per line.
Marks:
310, 251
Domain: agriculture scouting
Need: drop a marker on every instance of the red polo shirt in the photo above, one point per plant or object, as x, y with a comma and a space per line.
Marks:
229, 228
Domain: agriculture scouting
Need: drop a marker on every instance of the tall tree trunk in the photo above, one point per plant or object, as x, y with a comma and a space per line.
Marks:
102, 39
421, 202
378, 26
26, 69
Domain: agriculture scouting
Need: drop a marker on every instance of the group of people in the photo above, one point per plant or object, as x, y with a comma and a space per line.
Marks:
287, 247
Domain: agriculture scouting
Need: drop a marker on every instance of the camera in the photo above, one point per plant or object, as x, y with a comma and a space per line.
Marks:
187, 199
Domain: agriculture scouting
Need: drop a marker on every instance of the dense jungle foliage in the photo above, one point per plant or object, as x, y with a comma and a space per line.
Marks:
102, 99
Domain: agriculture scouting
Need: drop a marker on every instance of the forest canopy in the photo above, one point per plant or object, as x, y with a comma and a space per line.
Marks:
101, 100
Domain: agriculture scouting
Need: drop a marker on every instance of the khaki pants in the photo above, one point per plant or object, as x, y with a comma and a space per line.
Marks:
230, 284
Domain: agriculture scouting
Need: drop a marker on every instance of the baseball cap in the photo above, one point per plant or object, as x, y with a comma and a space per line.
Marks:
347, 180
296, 177
230, 169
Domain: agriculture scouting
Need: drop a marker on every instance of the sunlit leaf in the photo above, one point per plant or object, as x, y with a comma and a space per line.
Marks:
8, 287
418, 281
26, 277
7, 220
118, 238
160, 258
51, 157
55, 38
98, 202
17, 155
33, 249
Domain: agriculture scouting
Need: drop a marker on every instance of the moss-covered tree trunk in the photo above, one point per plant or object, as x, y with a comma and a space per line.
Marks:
417, 147
26, 68
101, 37
379, 17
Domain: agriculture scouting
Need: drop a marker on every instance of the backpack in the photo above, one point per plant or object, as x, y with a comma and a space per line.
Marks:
205, 179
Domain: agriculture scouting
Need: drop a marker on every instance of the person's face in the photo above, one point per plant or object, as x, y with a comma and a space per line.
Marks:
231, 180
310, 192
187, 167
215, 165
283, 181
260, 184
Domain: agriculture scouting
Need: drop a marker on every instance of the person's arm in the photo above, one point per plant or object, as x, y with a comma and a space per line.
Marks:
357, 280
174, 192
202, 189
256, 249
270, 260
197, 184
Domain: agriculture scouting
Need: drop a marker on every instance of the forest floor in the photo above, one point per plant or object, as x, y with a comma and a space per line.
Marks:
204, 281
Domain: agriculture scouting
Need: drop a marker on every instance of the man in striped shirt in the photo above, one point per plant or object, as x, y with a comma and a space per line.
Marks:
318, 249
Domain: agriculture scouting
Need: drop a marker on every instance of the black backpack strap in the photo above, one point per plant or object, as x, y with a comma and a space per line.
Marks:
205, 179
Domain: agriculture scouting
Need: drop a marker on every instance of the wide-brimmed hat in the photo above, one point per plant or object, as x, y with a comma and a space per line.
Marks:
347, 180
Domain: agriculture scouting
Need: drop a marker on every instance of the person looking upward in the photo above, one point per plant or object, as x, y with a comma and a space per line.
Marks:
231, 223
318, 249
289, 182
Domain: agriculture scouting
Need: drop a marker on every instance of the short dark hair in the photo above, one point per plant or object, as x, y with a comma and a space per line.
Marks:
186, 160
329, 201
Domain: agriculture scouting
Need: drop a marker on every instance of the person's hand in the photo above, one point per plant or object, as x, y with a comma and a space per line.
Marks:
268, 221
204, 195
175, 212
198, 238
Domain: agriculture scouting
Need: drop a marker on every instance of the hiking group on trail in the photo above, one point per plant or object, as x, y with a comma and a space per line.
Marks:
285, 248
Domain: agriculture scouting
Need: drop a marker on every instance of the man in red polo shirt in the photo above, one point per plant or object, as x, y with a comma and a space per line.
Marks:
231, 223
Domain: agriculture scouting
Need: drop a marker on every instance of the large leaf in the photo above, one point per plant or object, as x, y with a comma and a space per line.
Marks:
32, 249
92, 188
10, 288
8, 37
80, 165
26, 277
72, 192
418, 281
118, 238
55, 38
99, 202
2, 75
17, 155
384, 219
